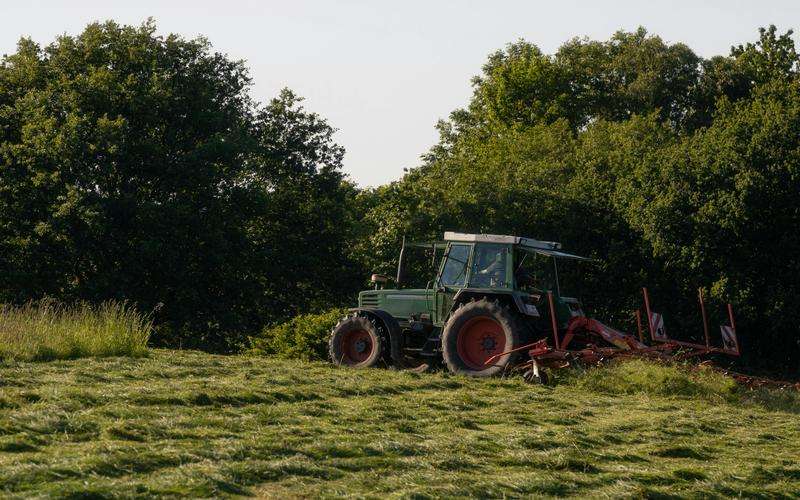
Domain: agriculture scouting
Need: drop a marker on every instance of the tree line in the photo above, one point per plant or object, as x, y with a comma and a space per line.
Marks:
136, 167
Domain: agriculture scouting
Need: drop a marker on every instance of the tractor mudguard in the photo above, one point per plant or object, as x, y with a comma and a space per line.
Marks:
392, 329
465, 294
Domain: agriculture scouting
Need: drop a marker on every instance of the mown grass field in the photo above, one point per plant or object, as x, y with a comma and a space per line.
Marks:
187, 423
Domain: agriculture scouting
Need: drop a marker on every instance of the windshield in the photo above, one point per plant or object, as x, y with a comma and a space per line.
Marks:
454, 272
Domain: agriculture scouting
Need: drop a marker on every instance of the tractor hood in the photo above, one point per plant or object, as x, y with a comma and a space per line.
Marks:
398, 303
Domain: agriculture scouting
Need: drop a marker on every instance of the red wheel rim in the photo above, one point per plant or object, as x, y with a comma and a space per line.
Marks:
356, 347
478, 340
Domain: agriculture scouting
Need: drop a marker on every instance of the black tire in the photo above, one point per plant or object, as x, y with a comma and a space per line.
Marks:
476, 331
355, 342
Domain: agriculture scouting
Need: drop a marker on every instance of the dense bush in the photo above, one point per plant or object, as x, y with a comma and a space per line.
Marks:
303, 337
46, 331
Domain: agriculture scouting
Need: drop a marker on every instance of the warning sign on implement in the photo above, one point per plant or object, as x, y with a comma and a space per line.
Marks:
657, 322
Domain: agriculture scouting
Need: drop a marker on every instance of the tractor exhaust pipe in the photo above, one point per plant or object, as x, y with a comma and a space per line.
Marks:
400, 262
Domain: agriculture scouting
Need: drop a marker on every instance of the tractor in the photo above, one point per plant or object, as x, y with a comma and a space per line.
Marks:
491, 296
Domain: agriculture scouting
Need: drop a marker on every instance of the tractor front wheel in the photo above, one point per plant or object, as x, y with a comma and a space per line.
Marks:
475, 332
355, 342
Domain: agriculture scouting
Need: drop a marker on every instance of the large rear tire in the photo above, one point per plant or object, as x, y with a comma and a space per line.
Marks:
355, 342
475, 332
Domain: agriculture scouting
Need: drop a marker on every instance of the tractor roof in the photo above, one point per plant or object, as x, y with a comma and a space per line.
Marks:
550, 248
499, 238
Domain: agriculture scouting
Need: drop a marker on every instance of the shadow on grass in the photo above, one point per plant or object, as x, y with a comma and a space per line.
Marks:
680, 452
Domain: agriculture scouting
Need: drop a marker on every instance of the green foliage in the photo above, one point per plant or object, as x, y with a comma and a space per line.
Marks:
632, 73
303, 337
189, 424
136, 167
46, 331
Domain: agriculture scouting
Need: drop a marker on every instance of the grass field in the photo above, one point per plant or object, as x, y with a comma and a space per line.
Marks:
187, 423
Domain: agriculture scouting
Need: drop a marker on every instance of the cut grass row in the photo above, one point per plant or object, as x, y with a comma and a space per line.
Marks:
186, 423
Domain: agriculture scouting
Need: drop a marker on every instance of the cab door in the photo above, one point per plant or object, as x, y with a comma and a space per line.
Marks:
452, 277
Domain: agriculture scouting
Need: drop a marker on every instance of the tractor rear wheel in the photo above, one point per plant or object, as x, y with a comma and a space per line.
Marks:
475, 332
355, 342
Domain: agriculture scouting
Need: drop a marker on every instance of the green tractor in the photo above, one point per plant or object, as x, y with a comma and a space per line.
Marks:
489, 297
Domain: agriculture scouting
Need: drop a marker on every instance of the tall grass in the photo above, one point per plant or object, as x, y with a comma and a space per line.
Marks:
47, 330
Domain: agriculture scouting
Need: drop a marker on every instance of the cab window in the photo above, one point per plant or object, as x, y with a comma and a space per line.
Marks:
489, 266
454, 272
534, 272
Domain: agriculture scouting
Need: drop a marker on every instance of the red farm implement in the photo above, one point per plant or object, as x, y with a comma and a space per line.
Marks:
587, 341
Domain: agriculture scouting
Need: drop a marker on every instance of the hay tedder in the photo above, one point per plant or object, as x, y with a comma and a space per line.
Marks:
496, 305
598, 342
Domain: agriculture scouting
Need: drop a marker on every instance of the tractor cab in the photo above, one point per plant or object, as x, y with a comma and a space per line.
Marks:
518, 270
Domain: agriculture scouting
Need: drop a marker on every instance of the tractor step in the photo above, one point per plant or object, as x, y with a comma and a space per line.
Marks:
432, 347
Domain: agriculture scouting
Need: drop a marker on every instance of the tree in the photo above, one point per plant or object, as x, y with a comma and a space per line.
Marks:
308, 210
136, 167
584, 81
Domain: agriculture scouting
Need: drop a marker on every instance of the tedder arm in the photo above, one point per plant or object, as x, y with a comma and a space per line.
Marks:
594, 334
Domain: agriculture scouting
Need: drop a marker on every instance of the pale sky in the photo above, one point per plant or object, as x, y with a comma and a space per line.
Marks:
384, 72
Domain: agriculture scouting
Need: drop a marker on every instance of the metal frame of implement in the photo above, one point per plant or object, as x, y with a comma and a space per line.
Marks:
624, 345
730, 342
